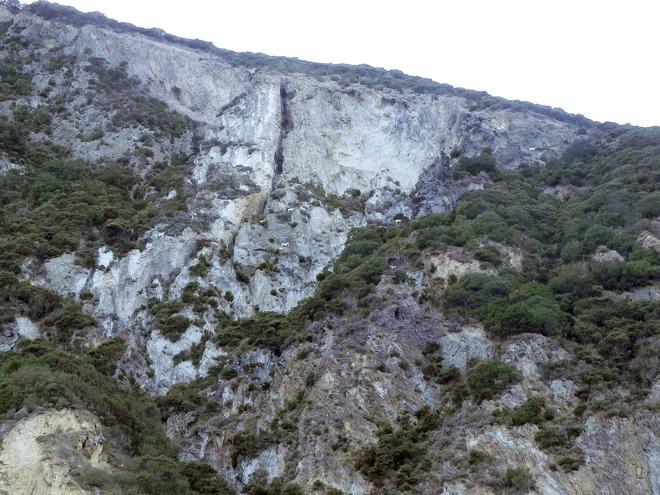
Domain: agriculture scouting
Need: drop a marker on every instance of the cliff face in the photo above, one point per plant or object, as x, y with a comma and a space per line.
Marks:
256, 132
278, 168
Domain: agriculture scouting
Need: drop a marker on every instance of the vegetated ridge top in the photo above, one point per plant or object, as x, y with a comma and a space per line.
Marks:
366, 75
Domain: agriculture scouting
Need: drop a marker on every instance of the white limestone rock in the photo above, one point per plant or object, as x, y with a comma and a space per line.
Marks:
470, 342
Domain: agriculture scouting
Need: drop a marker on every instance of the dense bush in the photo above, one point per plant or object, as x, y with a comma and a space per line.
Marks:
574, 281
559, 438
13, 82
533, 411
400, 455
620, 275
59, 318
152, 114
267, 330
559, 292
259, 485
168, 320
205, 480
156, 475
580, 150
33, 121
483, 162
12, 138
247, 444
475, 290
535, 314
488, 379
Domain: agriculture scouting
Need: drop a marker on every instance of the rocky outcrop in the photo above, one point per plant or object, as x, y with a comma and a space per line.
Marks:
39, 452
649, 241
21, 329
6, 166
647, 293
650, 238
604, 255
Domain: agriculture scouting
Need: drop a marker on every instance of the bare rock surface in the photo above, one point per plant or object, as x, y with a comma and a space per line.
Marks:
40, 451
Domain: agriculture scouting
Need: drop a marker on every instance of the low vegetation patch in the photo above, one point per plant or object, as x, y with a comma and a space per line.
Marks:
485, 380
401, 456
64, 206
532, 411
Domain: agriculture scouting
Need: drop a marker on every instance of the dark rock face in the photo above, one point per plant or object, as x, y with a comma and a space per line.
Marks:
437, 190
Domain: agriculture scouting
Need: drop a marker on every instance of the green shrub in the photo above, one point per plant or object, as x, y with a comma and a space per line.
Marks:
483, 162
205, 480
554, 438
399, 456
580, 150
167, 320
569, 463
532, 411
433, 237
37, 302
32, 121
393, 451
292, 488
621, 275
488, 379
519, 480
370, 271
12, 138
201, 268
575, 281
247, 444
259, 485
489, 254
228, 373
649, 205
133, 106
268, 330
12, 81
536, 314
433, 220
69, 319
63, 203
155, 475
106, 355
476, 290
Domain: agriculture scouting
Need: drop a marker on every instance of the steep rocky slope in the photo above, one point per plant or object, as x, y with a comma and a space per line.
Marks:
295, 270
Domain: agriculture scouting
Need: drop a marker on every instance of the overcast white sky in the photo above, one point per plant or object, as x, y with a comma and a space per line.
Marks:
598, 58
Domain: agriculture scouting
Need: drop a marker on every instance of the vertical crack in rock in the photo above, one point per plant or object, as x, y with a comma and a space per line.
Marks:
285, 127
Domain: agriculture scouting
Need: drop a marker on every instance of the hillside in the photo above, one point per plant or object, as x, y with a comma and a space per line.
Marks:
233, 273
